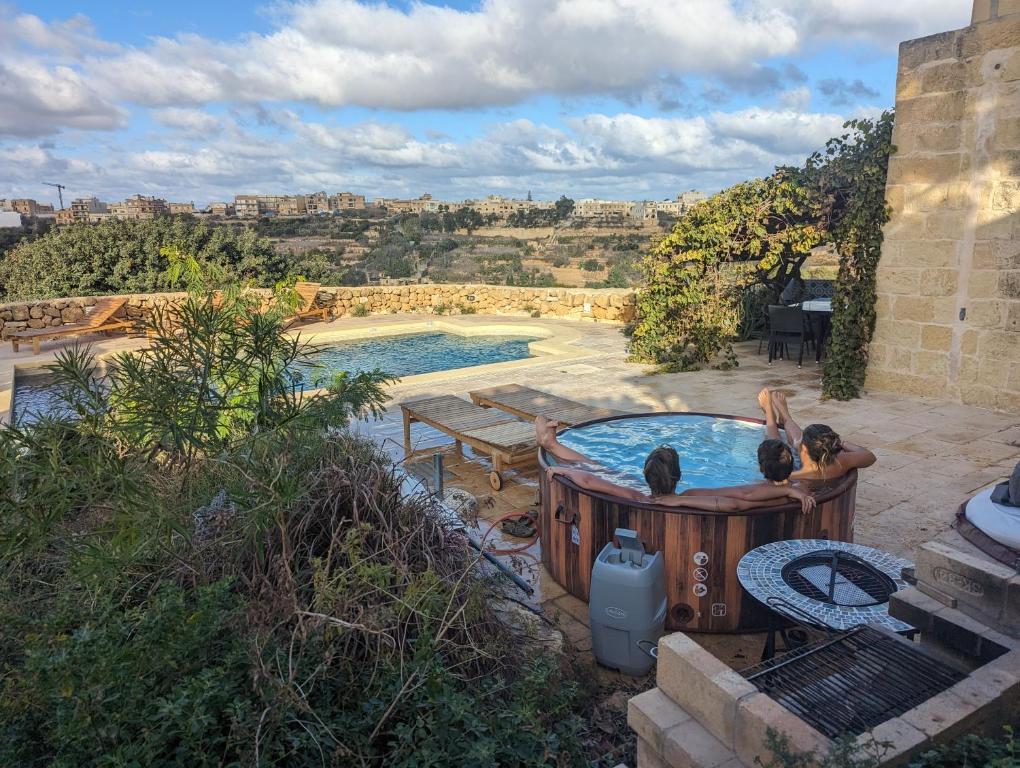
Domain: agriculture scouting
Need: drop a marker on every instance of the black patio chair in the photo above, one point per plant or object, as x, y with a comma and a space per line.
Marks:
787, 324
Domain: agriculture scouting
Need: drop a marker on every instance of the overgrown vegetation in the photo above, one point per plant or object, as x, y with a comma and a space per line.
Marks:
969, 751
200, 565
732, 254
687, 312
125, 256
850, 178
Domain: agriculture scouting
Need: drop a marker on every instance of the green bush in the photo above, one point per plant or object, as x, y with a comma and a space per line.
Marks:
360, 310
124, 256
200, 565
131, 684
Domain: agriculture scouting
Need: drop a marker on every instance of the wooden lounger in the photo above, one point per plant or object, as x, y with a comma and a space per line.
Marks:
98, 320
527, 403
307, 308
507, 441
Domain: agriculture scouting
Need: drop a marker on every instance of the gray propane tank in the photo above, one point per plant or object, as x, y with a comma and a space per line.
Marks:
627, 604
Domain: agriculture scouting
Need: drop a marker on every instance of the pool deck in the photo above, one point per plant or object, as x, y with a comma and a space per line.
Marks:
932, 455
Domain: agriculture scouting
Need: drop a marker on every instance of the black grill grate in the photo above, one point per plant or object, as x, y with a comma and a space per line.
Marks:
838, 578
853, 682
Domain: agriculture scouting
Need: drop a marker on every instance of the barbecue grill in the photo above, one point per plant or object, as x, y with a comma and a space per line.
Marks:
820, 584
851, 682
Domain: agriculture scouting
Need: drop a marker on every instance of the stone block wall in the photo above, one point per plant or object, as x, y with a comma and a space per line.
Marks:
949, 278
606, 304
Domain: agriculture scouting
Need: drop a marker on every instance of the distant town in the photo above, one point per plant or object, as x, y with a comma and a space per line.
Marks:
491, 209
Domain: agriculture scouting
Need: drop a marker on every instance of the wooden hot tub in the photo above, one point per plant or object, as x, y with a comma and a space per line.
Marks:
700, 549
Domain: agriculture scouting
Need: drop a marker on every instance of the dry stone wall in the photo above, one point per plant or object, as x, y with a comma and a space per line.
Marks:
949, 278
610, 304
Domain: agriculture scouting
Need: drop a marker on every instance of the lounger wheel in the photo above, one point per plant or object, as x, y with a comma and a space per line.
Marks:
496, 481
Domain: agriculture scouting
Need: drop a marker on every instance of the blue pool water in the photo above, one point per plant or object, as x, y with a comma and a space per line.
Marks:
405, 355
412, 354
713, 452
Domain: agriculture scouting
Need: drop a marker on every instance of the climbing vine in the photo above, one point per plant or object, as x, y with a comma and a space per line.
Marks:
849, 179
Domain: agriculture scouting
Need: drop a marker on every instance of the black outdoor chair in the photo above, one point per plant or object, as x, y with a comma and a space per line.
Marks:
787, 324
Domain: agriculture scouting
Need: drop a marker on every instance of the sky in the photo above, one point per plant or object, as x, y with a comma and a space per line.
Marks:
620, 99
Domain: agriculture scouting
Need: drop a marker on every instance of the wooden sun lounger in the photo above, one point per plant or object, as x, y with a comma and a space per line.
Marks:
308, 292
98, 320
527, 403
509, 442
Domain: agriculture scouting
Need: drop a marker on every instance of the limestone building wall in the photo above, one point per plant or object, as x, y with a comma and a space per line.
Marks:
949, 277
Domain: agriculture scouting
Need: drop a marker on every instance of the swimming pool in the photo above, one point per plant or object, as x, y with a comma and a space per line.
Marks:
413, 354
400, 355
713, 451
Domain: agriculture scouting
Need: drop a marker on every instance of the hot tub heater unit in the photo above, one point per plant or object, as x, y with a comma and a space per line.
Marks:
627, 606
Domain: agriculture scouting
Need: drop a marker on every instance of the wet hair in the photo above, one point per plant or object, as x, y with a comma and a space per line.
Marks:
662, 470
775, 459
822, 443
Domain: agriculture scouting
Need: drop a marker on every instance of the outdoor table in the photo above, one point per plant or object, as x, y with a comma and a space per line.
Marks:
819, 314
764, 573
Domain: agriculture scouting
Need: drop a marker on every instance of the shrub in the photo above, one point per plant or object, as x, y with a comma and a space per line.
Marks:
440, 309
309, 614
360, 310
128, 256
467, 309
687, 311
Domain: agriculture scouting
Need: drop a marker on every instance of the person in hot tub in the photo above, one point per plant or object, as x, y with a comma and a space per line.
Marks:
823, 454
662, 473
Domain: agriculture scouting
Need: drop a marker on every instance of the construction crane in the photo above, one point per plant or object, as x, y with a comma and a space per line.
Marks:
60, 191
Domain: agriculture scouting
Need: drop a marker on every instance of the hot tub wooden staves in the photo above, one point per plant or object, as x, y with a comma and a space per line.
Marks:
701, 550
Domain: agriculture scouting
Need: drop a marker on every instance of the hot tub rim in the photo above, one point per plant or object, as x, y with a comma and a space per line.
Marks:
841, 485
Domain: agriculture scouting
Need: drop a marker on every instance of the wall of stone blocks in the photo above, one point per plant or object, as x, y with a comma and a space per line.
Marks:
615, 305
949, 278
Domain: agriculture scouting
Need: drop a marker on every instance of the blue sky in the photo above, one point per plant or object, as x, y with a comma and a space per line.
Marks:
635, 99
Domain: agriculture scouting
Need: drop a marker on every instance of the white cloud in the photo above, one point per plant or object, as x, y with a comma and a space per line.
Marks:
880, 22
622, 155
190, 121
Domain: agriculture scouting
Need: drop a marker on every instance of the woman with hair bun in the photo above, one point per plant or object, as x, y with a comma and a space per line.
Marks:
823, 454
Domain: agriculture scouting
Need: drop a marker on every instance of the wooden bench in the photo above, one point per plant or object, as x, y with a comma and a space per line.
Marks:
308, 293
99, 320
507, 441
527, 403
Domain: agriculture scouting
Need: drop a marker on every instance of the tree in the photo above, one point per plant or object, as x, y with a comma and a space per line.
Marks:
120, 256
688, 307
563, 208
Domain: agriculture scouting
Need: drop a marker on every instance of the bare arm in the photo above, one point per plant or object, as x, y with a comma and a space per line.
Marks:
855, 457
755, 494
592, 482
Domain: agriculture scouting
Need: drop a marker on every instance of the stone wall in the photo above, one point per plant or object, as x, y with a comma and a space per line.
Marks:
608, 304
949, 278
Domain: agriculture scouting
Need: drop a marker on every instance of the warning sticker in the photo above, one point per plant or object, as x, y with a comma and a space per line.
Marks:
575, 535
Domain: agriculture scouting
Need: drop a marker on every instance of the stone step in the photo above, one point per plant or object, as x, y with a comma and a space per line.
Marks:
670, 737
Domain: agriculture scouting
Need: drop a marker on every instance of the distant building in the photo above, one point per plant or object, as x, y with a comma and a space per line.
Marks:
176, 208
10, 220
140, 207
83, 209
606, 210
503, 207
220, 209
27, 206
317, 203
291, 205
347, 201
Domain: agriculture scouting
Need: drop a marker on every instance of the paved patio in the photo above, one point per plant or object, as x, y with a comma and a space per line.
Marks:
932, 455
